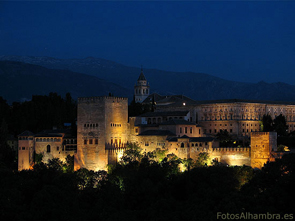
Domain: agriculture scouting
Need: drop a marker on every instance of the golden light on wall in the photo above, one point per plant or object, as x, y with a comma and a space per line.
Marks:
119, 155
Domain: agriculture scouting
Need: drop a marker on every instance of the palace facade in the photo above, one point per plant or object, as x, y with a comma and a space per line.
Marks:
180, 125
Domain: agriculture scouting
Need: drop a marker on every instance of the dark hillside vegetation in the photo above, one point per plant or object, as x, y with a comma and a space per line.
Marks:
142, 188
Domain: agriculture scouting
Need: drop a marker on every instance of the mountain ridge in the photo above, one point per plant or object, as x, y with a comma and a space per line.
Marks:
19, 81
198, 86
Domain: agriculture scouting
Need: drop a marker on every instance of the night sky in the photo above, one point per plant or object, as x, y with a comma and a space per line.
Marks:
245, 41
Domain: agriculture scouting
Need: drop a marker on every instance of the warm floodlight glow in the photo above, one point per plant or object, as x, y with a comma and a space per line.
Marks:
119, 156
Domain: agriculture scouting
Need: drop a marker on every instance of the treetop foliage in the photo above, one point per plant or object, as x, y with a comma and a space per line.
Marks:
150, 189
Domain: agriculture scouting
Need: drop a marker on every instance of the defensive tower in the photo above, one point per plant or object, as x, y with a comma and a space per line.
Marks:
101, 126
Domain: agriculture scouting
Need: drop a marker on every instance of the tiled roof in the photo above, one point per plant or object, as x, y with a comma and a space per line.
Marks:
156, 133
177, 122
26, 134
53, 133
192, 139
154, 97
176, 100
164, 113
201, 139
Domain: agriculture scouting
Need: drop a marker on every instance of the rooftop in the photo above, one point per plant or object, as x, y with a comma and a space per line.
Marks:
141, 77
165, 114
26, 133
193, 139
177, 122
157, 133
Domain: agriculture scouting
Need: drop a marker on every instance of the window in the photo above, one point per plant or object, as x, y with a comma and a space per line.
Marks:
23, 148
191, 130
96, 141
185, 129
57, 148
180, 130
90, 141
182, 145
85, 141
146, 144
136, 130
48, 149
230, 130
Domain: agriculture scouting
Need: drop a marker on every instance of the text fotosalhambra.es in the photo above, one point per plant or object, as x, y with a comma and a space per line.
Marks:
253, 216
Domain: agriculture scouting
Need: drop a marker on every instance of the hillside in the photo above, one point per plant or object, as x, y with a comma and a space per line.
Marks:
19, 81
198, 86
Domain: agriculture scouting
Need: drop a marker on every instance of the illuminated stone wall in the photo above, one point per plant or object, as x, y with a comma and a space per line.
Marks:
51, 147
238, 118
262, 144
102, 125
25, 152
54, 147
233, 156
151, 143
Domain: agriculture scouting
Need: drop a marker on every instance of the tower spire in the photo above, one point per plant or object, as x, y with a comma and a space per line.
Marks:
142, 88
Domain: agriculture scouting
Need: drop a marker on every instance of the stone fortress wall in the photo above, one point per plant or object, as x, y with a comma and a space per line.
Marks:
186, 129
102, 127
104, 132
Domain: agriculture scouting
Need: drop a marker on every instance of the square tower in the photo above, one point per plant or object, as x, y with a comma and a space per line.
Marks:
262, 144
101, 125
25, 150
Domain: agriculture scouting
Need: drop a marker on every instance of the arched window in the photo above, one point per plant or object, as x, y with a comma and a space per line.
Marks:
48, 148
182, 145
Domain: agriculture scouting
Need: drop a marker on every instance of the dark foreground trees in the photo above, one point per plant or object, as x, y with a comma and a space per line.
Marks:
146, 188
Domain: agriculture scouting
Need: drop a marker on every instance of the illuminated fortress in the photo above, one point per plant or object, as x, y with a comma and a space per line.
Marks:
179, 125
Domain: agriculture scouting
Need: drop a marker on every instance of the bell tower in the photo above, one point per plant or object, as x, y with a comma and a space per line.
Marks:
141, 89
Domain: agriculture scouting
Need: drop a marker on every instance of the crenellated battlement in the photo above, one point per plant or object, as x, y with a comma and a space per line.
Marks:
231, 149
100, 98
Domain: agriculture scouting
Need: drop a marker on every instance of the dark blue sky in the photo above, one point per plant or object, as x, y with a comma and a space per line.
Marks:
245, 41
